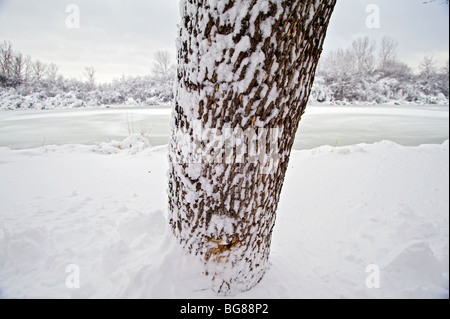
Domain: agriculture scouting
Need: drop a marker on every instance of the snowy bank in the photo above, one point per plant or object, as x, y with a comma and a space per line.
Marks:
63, 94
103, 209
147, 91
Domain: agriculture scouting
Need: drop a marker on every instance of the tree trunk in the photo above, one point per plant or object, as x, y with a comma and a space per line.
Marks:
245, 70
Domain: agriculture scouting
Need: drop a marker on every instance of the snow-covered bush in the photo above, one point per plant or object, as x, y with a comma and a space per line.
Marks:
140, 91
133, 144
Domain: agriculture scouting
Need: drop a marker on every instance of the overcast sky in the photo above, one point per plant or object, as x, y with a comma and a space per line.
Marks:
121, 36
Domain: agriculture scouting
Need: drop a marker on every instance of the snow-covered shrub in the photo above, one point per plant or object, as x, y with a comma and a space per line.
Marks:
133, 144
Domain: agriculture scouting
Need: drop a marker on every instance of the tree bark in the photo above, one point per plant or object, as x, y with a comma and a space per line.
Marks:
245, 71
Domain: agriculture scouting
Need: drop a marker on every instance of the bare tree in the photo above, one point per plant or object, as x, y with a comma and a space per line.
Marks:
339, 70
388, 51
90, 75
11, 63
248, 74
338, 64
28, 69
162, 65
52, 72
363, 49
18, 66
6, 59
39, 70
427, 67
445, 69
443, 79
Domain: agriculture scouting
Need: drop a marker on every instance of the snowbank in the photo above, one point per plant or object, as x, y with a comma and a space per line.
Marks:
135, 143
376, 91
146, 91
342, 209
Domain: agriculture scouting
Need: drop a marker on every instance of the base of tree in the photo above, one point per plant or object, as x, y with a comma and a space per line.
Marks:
231, 273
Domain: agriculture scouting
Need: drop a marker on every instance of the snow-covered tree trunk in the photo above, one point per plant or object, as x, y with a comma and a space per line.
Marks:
245, 70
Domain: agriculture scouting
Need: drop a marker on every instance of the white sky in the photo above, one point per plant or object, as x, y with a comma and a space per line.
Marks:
121, 36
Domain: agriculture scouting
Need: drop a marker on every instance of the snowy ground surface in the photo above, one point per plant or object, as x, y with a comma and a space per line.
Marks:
103, 208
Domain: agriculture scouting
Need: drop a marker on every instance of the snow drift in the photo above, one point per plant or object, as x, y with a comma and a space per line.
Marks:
342, 209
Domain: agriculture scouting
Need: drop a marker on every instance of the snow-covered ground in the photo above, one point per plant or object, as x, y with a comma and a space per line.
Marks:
103, 209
